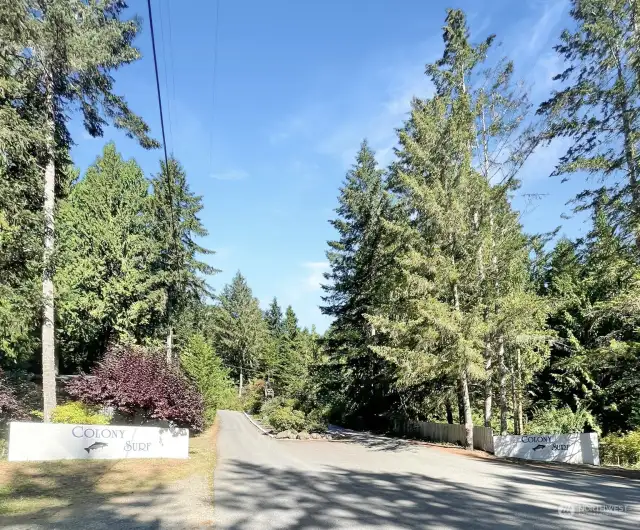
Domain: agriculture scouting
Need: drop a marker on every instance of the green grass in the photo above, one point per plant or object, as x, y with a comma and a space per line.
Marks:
28, 488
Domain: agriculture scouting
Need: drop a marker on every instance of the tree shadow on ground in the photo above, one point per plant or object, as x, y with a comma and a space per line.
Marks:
58, 495
370, 440
343, 498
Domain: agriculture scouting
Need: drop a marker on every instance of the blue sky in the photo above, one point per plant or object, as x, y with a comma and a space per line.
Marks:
298, 86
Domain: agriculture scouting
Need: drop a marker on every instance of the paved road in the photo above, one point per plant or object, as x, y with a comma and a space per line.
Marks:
374, 482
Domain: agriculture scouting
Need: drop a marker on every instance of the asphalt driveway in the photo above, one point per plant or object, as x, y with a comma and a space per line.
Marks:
377, 482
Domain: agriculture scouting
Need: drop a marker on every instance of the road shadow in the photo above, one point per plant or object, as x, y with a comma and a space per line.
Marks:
54, 495
337, 497
370, 440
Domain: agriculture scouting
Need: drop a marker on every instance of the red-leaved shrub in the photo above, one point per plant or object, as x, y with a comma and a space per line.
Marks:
10, 408
138, 381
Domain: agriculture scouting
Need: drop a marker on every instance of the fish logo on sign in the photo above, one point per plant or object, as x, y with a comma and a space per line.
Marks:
94, 446
539, 446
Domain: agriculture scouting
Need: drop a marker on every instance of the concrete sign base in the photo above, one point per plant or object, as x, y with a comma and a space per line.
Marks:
59, 441
571, 448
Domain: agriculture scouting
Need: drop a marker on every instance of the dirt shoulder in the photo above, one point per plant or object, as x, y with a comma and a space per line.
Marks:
112, 493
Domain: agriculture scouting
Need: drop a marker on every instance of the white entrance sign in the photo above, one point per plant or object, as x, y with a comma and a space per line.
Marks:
59, 441
571, 448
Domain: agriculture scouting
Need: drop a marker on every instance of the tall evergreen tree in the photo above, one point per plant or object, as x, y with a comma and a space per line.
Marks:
465, 272
273, 317
106, 284
361, 261
241, 336
70, 47
598, 107
21, 232
176, 224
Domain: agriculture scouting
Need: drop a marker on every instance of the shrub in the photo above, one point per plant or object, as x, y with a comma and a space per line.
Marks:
253, 396
271, 405
317, 420
286, 418
136, 381
205, 369
621, 449
4, 448
10, 407
551, 420
76, 412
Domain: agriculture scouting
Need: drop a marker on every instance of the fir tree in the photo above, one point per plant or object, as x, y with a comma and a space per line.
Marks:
273, 317
176, 226
436, 324
598, 106
107, 288
361, 262
69, 49
241, 337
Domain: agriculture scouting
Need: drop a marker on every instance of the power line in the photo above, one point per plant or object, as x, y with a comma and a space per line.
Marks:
173, 76
213, 83
155, 64
166, 158
165, 69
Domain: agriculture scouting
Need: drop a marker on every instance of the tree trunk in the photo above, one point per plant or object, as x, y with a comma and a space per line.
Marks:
503, 387
460, 395
240, 386
468, 420
449, 411
488, 386
514, 399
519, 392
170, 346
48, 314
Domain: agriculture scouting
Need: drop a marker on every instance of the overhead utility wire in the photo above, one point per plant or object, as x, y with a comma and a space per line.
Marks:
155, 64
164, 147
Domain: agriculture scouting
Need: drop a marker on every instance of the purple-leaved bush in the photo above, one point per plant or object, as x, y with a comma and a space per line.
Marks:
138, 381
10, 407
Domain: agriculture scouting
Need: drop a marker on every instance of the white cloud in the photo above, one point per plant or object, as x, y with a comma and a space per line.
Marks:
376, 105
378, 118
534, 35
315, 275
232, 174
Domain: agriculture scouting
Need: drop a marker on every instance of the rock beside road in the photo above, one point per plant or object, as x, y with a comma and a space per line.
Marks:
283, 435
302, 435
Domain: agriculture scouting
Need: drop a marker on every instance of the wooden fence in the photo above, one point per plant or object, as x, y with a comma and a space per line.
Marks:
446, 432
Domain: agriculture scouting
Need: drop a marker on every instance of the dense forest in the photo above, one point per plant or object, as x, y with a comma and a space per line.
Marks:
443, 307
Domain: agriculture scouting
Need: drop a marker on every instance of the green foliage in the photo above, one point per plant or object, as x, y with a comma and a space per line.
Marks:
57, 58
241, 334
621, 449
292, 352
106, 284
175, 226
252, 397
563, 420
361, 275
205, 368
286, 419
317, 420
274, 319
597, 107
271, 405
76, 412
